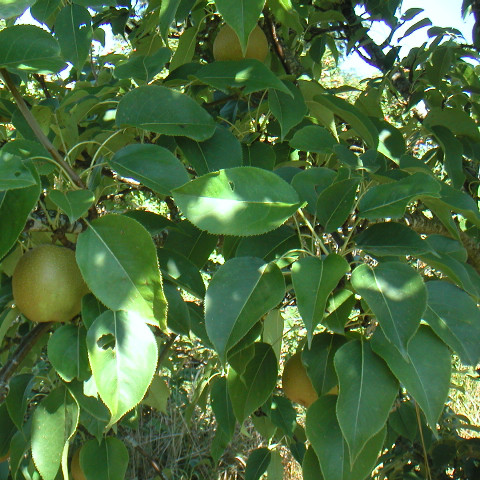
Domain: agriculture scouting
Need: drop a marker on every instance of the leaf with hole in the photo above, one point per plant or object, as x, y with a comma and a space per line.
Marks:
122, 375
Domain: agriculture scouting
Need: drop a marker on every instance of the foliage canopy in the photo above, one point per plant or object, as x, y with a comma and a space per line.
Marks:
273, 186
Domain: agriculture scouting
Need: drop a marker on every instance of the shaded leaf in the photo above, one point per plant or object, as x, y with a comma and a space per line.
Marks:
67, 351
29, 48
73, 28
222, 150
391, 199
143, 67
455, 318
397, 296
153, 166
367, 392
249, 74
335, 203
391, 239
74, 203
107, 460
425, 372
14, 173
288, 110
257, 463
240, 292
313, 280
313, 138
222, 407
179, 115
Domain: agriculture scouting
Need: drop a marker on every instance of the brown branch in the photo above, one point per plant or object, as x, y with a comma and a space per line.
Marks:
28, 342
32, 122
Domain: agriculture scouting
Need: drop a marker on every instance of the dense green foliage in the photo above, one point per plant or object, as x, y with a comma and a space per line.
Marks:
273, 188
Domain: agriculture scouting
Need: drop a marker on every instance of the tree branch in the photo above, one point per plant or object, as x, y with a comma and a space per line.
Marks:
32, 122
28, 342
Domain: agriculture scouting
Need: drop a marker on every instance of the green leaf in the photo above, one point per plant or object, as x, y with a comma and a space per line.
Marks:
391, 142
186, 47
74, 203
453, 154
91, 309
153, 166
222, 150
283, 414
143, 67
339, 308
313, 138
359, 121
191, 242
122, 375
10, 9
455, 119
391, 199
391, 239
241, 15
318, 360
455, 318
168, 9
451, 264
54, 422
154, 223
43, 9
313, 280
181, 271
178, 315
118, 261
67, 351
367, 390
29, 48
288, 110
105, 461
309, 183
257, 463
18, 399
310, 466
7, 430
237, 201
179, 115
397, 296
273, 325
458, 201
15, 207
14, 173
335, 204
253, 387
240, 292
157, 395
222, 407
270, 246
73, 28
259, 154
326, 438
249, 74
426, 380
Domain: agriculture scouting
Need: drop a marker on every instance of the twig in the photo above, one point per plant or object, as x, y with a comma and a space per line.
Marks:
32, 122
27, 343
